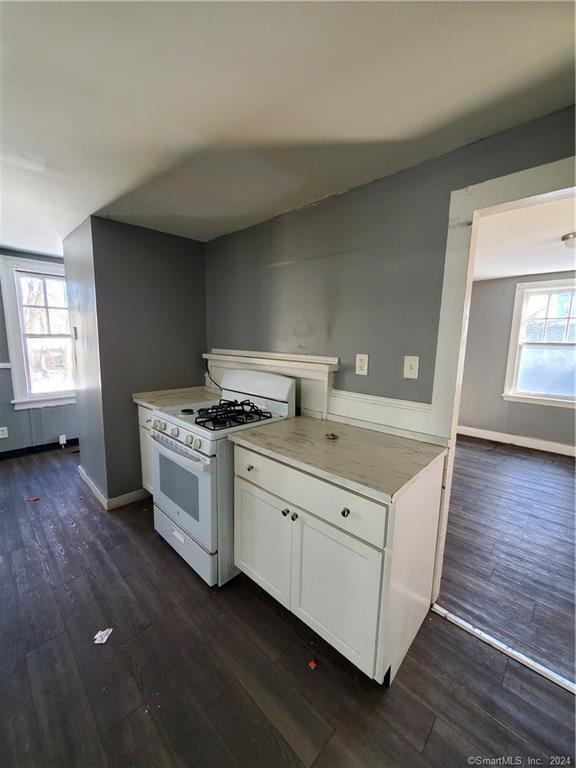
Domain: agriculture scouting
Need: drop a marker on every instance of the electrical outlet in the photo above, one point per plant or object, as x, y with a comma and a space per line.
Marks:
62, 440
3, 432
411, 366
362, 365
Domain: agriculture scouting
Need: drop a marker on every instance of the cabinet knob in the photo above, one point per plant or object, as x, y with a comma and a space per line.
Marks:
285, 512
293, 516
345, 512
249, 468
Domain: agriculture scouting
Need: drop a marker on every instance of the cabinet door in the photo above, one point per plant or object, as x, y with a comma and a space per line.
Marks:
146, 459
263, 539
335, 588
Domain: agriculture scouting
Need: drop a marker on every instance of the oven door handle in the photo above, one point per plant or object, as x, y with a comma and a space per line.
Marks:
194, 463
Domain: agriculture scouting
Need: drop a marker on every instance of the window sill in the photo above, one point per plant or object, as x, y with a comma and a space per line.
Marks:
43, 402
535, 400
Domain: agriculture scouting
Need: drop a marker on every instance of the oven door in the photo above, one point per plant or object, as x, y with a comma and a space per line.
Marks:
185, 490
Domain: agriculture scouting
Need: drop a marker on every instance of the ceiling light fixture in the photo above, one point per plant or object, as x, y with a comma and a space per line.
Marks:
569, 239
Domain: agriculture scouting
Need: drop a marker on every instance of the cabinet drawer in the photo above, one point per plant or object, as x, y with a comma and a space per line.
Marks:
352, 513
145, 417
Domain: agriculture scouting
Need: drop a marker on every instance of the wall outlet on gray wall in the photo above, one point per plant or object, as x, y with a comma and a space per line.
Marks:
411, 363
3, 432
362, 365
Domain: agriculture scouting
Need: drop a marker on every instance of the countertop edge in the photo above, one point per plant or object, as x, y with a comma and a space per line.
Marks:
379, 496
139, 398
409, 483
364, 490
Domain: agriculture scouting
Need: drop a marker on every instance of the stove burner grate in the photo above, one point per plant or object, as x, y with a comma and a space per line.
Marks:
230, 413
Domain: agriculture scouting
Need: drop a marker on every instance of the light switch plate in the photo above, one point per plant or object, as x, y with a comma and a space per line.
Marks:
362, 365
411, 366
3, 432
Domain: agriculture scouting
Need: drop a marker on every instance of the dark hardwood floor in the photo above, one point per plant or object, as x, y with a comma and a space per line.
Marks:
509, 561
193, 676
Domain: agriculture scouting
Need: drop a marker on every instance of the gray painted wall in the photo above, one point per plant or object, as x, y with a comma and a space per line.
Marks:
482, 405
149, 293
35, 426
79, 264
362, 271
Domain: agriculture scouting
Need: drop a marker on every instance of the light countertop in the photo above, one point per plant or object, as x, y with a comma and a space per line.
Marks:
168, 397
373, 463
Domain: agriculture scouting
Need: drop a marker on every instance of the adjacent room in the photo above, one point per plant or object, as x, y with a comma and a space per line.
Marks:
509, 557
287, 384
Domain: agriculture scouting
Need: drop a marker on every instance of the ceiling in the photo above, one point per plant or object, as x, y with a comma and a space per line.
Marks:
201, 118
526, 240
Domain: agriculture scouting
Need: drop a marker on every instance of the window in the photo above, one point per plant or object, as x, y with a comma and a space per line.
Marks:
38, 328
542, 355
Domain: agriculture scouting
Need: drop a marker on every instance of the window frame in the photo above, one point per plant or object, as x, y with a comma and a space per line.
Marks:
9, 268
510, 384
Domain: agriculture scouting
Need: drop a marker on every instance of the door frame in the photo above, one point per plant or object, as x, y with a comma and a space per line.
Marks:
467, 207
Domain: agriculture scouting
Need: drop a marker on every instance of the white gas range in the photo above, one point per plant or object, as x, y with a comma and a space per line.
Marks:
194, 466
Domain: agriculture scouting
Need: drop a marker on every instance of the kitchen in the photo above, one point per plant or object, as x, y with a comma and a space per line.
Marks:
264, 402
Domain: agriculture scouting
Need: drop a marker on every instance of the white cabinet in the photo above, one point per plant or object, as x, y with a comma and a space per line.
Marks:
358, 571
336, 588
327, 578
145, 422
263, 539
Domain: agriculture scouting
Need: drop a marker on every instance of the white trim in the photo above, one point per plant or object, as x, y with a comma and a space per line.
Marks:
303, 362
9, 266
510, 381
469, 205
43, 402
521, 658
92, 486
422, 436
5, 366
127, 498
115, 501
33, 265
301, 358
411, 405
525, 442
538, 400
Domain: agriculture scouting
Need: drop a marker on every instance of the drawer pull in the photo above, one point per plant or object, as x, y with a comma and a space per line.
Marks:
294, 516
285, 512
250, 467
345, 512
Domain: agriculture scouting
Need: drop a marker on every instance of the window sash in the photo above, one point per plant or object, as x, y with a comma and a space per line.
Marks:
523, 292
10, 270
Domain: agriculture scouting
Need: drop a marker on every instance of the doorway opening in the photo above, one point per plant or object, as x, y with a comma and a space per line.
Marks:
508, 566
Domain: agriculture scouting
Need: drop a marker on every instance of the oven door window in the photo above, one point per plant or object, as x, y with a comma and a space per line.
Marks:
180, 486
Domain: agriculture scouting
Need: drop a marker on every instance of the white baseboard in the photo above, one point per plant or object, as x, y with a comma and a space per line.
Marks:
524, 442
127, 498
115, 501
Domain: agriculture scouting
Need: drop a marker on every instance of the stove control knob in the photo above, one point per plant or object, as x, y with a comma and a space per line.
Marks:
189, 439
175, 432
155, 424
162, 426
196, 443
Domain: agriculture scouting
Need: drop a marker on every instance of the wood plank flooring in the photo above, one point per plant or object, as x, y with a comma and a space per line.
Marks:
509, 561
193, 676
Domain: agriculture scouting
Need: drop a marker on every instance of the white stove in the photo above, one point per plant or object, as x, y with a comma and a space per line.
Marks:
193, 466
